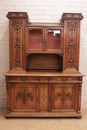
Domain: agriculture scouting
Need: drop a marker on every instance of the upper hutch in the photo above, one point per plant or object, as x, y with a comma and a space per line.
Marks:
44, 78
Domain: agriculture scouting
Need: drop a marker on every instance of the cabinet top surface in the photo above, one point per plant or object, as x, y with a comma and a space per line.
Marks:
24, 73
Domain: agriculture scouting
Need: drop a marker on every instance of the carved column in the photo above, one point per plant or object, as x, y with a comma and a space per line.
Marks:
71, 23
17, 24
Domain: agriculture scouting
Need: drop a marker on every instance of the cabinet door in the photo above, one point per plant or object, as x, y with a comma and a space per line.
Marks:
35, 36
63, 96
54, 39
24, 96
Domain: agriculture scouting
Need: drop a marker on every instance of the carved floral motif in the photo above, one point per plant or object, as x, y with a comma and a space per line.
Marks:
63, 96
24, 96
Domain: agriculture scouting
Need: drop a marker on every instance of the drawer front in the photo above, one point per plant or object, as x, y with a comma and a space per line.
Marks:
43, 79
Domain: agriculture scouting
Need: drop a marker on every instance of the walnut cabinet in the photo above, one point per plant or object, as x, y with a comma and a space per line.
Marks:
44, 78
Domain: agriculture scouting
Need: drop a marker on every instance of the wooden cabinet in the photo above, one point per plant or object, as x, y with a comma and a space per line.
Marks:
44, 78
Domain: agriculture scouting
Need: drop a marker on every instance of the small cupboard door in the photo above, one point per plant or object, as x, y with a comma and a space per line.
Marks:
63, 96
54, 39
24, 97
35, 38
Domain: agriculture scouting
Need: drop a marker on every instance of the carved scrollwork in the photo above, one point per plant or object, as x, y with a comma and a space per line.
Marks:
17, 43
71, 62
23, 78
44, 97
63, 96
72, 25
7, 78
17, 59
24, 96
8, 88
72, 28
80, 78
17, 28
72, 16
17, 22
71, 45
80, 87
17, 15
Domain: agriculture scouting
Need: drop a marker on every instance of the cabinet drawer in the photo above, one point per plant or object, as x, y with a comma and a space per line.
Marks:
48, 79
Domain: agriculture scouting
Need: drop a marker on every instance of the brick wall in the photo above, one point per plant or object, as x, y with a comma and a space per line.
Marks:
41, 11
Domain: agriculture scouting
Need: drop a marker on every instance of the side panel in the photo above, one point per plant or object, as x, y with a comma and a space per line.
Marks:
16, 43
71, 44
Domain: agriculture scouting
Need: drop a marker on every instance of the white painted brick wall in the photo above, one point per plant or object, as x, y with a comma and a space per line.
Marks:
41, 11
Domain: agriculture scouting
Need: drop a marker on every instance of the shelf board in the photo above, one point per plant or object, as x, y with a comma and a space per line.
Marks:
44, 52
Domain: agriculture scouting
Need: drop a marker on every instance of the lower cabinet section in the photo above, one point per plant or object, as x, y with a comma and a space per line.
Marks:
43, 100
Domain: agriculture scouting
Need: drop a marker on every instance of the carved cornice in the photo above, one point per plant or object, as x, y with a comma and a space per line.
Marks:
17, 15
71, 16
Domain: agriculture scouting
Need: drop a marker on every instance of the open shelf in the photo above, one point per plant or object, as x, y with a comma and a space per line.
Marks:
44, 62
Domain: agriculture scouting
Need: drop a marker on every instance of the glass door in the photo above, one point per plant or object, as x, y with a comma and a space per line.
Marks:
35, 39
53, 39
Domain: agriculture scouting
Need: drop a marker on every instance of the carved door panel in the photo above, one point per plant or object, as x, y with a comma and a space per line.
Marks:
63, 96
24, 97
43, 97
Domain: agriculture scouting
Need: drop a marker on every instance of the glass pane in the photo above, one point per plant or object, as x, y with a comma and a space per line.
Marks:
35, 39
53, 39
